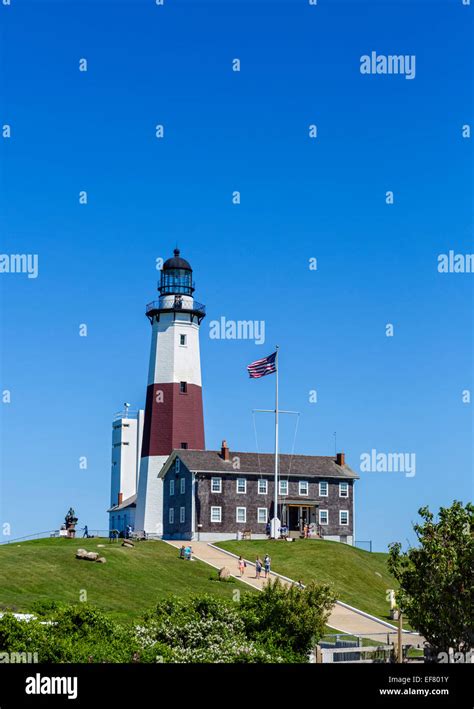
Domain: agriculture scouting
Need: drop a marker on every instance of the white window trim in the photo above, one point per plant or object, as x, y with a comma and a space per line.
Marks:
321, 494
305, 482
177, 465
216, 521
182, 486
262, 509
171, 515
241, 492
216, 492
340, 490
343, 524
266, 487
285, 482
182, 515
324, 524
171, 488
241, 521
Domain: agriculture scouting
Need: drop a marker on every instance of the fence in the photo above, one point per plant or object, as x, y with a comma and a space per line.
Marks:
54, 533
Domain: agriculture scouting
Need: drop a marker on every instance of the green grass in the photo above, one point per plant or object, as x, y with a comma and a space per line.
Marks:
359, 578
131, 582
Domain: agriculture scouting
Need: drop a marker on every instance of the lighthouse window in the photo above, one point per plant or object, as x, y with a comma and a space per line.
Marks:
183, 387
184, 445
182, 340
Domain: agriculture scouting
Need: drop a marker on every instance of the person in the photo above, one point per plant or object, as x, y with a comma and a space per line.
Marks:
86, 532
266, 565
242, 565
188, 552
181, 552
258, 567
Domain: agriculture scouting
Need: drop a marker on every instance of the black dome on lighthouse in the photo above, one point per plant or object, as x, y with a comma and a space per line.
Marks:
177, 262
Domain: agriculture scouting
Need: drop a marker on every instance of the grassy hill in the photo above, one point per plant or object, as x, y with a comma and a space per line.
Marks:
358, 577
131, 582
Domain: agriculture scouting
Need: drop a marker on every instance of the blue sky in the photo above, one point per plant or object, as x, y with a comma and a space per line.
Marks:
300, 198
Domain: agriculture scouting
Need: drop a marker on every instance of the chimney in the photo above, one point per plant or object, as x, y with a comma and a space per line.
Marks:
225, 451
120, 498
340, 459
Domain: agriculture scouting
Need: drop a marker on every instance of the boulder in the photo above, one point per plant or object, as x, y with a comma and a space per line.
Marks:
224, 574
127, 543
91, 556
101, 560
81, 554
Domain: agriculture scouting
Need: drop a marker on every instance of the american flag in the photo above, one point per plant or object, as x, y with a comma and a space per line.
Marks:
262, 367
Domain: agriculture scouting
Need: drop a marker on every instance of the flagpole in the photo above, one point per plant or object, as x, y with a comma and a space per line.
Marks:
275, 511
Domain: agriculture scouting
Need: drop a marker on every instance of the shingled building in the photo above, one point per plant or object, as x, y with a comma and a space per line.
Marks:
215, 495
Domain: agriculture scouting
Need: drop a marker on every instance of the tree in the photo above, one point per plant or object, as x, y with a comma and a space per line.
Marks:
291, 619
436, 578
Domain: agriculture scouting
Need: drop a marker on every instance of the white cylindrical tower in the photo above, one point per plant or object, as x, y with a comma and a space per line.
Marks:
173, 411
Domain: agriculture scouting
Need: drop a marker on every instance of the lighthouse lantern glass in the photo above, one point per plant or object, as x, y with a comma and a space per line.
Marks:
176, 281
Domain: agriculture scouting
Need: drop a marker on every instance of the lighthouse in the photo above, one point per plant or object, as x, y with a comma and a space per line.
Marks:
173, 410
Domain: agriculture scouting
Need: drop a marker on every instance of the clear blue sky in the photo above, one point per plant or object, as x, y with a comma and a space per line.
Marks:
301, 198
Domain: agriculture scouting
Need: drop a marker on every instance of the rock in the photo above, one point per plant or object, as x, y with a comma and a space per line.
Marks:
100, 546
101, 560
224, 574
91, 556
81, 554
127, 543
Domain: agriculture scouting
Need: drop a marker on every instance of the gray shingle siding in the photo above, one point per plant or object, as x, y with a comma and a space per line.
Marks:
177, 530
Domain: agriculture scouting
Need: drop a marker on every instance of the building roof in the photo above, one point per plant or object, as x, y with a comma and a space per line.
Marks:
129, 502
177, 262
261, 464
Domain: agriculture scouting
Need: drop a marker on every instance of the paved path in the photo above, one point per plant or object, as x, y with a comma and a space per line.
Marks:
341, 618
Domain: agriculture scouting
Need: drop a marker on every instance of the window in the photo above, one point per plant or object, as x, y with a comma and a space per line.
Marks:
262, 487
171, 515
182, 513
177, 465
241, 486
262, 515
216, 484
183, 387
241, 514
323, 517
343, 517
182, 488
323, 489
171, 487
216, 514
182, 340
283, 487
184, 445
303, 487
343, 489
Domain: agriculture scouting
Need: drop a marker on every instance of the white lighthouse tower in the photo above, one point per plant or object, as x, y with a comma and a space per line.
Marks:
173, 410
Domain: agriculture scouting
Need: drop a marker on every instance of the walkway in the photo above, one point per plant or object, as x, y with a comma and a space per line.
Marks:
342, 618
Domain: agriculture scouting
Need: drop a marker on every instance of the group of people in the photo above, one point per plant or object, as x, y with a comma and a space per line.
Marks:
259, 566
186, 552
